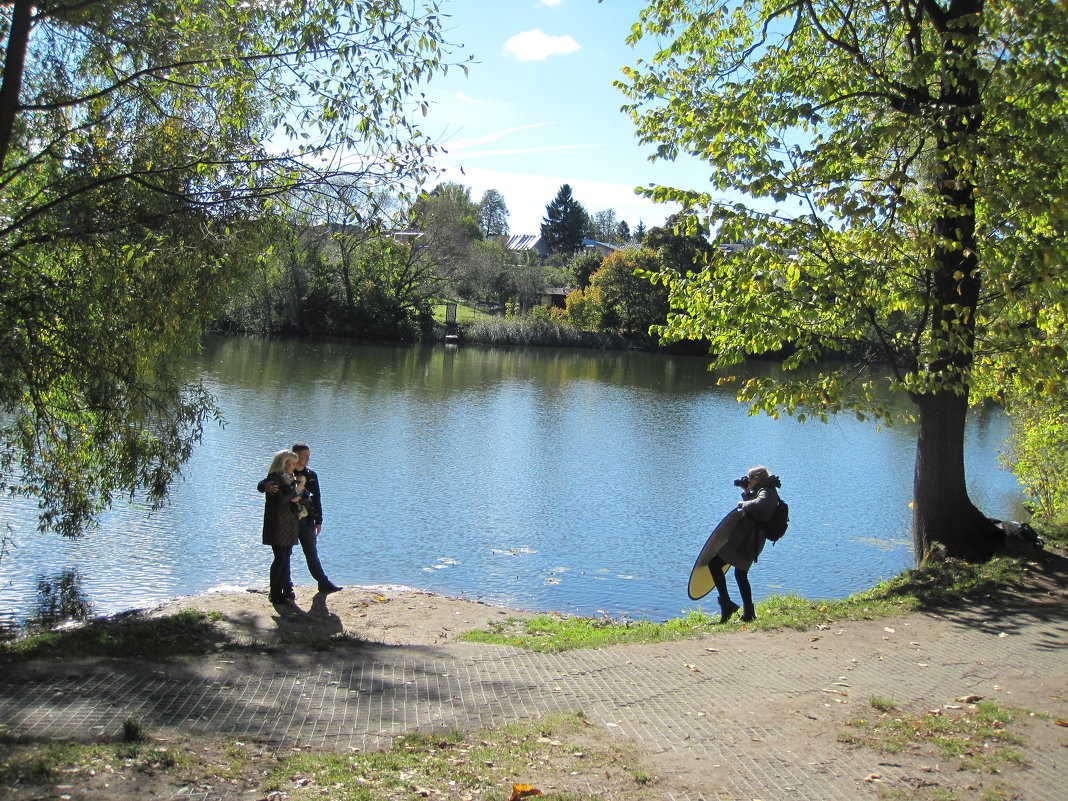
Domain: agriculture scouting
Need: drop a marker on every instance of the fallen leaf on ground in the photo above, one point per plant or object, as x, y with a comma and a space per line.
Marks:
523, 791
969, 699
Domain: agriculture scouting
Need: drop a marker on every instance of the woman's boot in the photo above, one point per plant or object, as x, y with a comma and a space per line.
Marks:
727, 607
748, 612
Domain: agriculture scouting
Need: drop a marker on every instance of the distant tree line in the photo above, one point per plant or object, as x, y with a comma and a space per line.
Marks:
343, 261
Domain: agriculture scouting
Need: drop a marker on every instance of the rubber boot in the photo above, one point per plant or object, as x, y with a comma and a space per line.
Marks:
727, 607
748, 612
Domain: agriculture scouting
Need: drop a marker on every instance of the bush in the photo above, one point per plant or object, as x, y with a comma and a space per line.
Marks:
531, 331
1038, 455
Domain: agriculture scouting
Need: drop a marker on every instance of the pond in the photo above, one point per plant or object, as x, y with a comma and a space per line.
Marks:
570, 480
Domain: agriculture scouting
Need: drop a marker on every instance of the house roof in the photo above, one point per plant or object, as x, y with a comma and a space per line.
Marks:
593, 243
523, 242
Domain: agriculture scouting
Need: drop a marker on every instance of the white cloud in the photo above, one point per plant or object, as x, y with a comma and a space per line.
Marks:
549, 2
460, 144
467, 99
537, 46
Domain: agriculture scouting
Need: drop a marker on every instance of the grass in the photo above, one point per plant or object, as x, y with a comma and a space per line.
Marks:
185, 633
972, 738
562, 755
933, 586
464, 313
29, 763
975, 736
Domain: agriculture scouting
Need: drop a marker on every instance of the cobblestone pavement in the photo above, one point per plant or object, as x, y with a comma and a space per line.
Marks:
785, 696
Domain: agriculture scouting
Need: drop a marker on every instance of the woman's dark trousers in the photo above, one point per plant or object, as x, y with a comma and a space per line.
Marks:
280, 579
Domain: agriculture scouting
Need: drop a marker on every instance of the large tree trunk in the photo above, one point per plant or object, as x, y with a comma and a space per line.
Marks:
14, 66
942, 512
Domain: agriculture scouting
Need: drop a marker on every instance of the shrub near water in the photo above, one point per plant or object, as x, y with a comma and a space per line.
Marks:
534, 331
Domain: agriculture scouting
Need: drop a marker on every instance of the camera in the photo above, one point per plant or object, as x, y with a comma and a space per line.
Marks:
742, 482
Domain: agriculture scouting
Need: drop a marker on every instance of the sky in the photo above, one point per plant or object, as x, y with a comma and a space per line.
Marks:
538, 110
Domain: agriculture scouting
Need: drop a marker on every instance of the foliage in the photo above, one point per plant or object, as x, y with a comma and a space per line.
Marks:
531, 331
629, 302
1039, 453
605, 227
680, 250
493, 214
902, 174
448, 223
584, 308
583, 265
144, 148
565, 223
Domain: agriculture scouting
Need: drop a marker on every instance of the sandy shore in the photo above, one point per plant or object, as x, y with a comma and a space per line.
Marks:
387, 615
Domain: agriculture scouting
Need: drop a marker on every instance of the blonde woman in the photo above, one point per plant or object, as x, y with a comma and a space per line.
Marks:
280, 525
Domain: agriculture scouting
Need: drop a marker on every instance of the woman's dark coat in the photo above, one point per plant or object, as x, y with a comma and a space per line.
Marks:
741, 544
280, 524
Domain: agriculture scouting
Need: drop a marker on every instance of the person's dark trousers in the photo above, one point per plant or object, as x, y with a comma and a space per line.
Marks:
308, 544
280, 579
726, 605
748, 610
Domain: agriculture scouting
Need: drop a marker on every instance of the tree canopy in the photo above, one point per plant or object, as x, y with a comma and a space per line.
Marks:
565, 223
901, 172
143, 144
493, 213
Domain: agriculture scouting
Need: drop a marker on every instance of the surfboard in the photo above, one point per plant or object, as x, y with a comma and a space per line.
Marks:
701, 582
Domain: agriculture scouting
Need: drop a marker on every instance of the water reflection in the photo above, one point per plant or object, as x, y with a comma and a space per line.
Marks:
60, 598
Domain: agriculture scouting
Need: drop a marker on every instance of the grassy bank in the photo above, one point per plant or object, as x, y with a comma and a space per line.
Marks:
928, 587
191, 633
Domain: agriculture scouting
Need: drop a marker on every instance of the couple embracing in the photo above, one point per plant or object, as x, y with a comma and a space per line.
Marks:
292, 513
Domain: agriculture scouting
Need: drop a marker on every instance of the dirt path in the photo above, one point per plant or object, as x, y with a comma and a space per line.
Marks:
740, 715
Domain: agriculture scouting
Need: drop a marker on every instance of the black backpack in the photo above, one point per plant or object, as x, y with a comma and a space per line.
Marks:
780, 519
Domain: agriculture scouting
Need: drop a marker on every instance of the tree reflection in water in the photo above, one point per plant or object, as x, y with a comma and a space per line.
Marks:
59, 598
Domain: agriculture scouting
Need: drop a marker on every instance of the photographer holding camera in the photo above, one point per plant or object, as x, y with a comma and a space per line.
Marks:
741, 544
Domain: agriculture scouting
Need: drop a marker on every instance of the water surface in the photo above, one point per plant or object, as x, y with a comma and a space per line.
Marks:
578, 481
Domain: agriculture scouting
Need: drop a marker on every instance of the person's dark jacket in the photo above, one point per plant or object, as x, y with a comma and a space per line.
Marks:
758, 505
315, 502
280, 525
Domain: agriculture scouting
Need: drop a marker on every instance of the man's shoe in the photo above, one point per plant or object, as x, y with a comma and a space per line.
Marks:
277, 598
289, 595
328, 588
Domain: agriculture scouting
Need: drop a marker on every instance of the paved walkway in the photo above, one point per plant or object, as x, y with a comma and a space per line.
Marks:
749, 716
